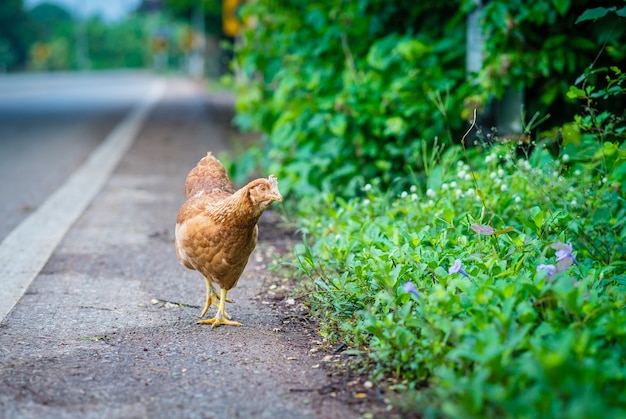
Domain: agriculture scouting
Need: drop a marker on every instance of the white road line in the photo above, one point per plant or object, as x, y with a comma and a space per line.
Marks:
24, 252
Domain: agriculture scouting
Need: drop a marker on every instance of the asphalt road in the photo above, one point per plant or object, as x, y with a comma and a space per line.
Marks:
48, 126
86, 339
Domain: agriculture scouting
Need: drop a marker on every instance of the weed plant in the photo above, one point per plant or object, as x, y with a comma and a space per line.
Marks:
495, 289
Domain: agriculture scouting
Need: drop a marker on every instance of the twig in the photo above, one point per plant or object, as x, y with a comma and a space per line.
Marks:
157, 301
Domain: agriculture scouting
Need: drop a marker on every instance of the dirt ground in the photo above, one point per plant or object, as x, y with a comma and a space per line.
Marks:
347, 380
108, 328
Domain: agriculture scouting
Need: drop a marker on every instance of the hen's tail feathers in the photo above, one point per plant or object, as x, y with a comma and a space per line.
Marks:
209, 175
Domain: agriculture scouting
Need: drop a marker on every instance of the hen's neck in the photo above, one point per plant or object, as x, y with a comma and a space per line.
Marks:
236, 209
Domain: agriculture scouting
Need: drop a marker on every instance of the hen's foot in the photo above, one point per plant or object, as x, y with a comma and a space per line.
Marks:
217, 321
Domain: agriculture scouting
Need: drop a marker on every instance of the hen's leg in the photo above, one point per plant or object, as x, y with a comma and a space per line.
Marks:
210, 294
212, 298
220, 317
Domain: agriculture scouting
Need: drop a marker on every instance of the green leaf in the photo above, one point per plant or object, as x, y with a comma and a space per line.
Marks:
576, 93
571, 134
395, 126
537, 216
562, 6
338, 124
593, 14
412, 49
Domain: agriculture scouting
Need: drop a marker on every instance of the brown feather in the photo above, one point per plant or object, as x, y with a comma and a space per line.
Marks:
209, 175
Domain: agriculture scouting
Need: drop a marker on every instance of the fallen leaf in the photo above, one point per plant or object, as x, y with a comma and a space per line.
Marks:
483, 229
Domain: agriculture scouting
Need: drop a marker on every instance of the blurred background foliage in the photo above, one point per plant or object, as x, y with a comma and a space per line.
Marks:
357, 90
158, 34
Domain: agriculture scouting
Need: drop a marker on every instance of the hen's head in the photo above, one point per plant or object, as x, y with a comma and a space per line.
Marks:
263, 192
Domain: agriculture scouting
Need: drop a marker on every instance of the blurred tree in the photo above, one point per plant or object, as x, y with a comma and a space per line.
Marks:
212, 10
14, 35
124, 44
207, 55
53, 35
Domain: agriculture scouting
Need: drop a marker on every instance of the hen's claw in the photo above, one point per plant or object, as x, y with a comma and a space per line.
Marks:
215, 321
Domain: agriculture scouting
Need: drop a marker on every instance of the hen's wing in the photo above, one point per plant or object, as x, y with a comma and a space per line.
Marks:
210, 176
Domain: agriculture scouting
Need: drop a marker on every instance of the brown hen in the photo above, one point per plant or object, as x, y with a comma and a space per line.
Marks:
216, 229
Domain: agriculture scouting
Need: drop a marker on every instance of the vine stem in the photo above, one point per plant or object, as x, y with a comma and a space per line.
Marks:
479, 191
349, 57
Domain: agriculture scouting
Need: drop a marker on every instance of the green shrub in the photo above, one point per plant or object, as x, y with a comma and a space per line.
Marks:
524, 334
347, 91
497, 289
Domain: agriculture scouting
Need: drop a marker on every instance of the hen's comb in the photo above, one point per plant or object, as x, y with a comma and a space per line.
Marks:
273, 182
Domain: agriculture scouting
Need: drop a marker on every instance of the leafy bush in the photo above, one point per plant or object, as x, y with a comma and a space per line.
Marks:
499, 288
349, 91
353, 90
527, 325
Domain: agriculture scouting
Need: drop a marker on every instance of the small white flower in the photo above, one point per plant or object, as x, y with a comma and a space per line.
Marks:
565, 157
492, 175
431, 202
404, 194
524, 164
453, 184
337, 236
470, 192
458, 193
413, 189
576, 172
500, 172
604, 179
431, 194
366, 202
367, 187
468, 177
445, 186
574, 202
518, 199
413, 197
503, 187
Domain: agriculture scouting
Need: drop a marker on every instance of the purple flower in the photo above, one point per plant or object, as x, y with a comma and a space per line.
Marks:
550, 269
456, 268
410, 287
565, 251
